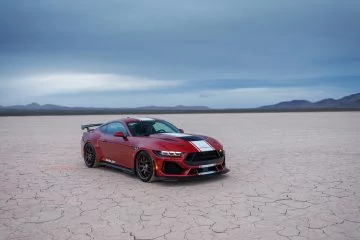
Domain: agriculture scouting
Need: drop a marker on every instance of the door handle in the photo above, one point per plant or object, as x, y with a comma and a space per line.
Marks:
103, 140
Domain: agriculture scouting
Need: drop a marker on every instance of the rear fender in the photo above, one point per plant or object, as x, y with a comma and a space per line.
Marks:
89, 137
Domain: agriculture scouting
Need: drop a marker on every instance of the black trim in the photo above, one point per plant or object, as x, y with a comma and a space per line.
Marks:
184, 178
191, 138
202, 158
205, 162
122, 169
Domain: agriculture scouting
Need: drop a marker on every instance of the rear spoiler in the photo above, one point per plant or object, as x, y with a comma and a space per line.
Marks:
88, 126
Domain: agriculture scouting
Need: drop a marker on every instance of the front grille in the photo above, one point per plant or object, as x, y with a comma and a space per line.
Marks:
203, 157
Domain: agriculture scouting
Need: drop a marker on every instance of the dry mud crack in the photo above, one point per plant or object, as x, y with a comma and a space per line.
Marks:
293, 176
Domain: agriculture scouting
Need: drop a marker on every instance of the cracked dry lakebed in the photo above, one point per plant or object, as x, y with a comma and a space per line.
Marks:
293, 176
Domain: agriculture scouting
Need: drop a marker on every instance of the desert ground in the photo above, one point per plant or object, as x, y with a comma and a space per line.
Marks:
293, 176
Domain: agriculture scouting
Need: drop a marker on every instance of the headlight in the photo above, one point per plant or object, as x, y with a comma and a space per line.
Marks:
168, 153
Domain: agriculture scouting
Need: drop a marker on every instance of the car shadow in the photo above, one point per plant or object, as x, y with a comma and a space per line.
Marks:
191, 181
172, 182
117, 171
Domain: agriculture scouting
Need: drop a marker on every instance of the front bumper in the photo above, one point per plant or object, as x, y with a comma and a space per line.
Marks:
173, 177
180, 167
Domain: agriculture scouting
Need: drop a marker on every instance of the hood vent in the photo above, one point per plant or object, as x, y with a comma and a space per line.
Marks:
191, 138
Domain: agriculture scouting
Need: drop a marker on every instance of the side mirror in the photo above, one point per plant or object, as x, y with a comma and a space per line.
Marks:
119, 134
181, 130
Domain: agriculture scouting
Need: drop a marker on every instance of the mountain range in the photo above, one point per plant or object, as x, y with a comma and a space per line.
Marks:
351, 102
52, 107
347, 102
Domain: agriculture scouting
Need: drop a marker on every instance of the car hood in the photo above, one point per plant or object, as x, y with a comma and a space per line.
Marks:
185, 142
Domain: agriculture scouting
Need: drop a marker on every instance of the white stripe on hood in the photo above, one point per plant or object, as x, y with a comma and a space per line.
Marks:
177, 134
202, 146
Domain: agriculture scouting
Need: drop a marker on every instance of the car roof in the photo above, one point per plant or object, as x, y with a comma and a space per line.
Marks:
131, 119
135, 119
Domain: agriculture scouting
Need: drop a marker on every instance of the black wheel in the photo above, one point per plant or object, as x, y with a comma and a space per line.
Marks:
145, 167
90, 156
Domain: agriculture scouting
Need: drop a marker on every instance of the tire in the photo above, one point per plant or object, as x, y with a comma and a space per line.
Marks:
144, 167
90, 156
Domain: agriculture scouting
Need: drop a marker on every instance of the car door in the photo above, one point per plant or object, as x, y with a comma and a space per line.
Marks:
116, 150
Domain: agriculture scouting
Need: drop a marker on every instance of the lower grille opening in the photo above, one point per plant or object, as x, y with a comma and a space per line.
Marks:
171, 168
209, 169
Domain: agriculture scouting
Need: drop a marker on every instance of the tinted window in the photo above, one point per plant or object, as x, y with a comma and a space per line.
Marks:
144, 128
115, 127
103, 128
162, 127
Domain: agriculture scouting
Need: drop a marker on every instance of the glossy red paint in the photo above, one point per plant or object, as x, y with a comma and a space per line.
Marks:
195, 155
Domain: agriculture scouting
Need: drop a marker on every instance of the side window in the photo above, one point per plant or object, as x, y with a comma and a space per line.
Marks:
115, 127
103, 128
134, 128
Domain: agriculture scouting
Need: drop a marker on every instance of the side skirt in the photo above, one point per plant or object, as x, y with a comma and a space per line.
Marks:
122, 169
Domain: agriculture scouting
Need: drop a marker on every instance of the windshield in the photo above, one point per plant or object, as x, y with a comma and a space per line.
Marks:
146, 128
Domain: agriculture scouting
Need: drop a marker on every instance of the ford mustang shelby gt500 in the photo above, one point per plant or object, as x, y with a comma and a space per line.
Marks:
152, 149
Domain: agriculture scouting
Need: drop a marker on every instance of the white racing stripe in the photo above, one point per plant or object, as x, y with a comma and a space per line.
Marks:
145, 119
177, 134
202, 146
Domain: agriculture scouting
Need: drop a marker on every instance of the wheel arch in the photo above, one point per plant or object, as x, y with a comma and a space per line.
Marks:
153, 175
98, 151
137, 154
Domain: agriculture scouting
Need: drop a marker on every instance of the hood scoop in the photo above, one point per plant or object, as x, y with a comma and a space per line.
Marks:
191, 138
174, 137
165, 138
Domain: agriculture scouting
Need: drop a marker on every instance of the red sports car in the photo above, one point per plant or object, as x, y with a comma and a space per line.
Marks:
152, 149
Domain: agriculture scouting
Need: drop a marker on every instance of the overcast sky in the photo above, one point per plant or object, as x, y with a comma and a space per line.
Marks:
231, 53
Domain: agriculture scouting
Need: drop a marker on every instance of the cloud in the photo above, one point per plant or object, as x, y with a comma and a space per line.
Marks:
206, 95
259, 96
92, 46
59, 83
